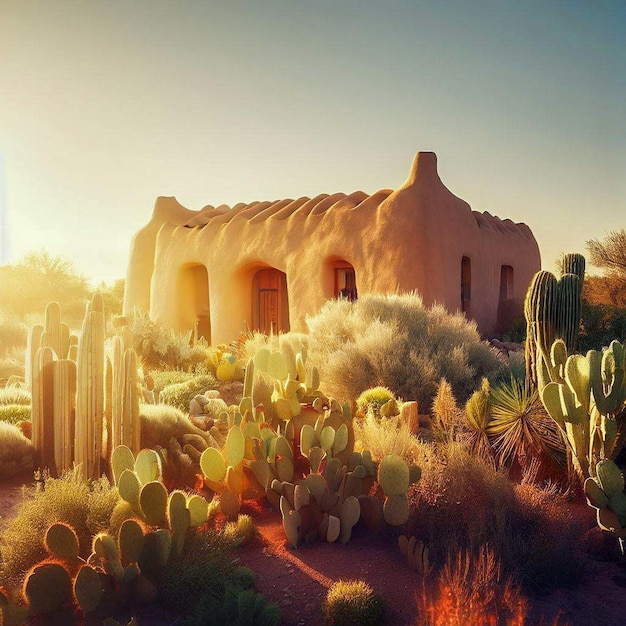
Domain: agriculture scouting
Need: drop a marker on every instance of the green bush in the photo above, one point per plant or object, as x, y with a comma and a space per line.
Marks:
396, 342
84, 505
352, 602
14, 413
206, 587
16, 451
180, 395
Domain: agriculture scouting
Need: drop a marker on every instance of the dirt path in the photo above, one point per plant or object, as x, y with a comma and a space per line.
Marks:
298, 579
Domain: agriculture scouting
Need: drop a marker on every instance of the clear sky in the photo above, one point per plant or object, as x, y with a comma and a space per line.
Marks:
106, 105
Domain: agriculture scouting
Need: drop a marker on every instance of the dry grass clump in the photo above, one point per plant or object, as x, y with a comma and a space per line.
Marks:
14, 413
472, 590
461, 503
86, 506
14, 395
390, 436
16, 451
395, 341
353, 602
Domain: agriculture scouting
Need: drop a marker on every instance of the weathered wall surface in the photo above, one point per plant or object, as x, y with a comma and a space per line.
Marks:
413, 238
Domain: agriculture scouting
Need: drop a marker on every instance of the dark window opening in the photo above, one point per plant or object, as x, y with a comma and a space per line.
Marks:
466, 286
345, 283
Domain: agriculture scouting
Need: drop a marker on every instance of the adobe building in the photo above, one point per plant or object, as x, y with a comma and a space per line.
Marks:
268, 265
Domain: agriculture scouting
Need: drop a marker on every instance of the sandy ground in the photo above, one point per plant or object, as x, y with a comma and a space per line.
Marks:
297, 579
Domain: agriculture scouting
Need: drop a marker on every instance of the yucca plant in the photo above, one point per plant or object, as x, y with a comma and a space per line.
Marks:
520, 428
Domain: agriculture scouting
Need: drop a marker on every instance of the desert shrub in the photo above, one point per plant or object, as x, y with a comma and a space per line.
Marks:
158, 345
179, 395
544, 548
85, 505
461, 503
14, 413
472, 590
511, 366
14, 395
16, 451
391, 436
352, 602
371, 400
396, 342
206, 587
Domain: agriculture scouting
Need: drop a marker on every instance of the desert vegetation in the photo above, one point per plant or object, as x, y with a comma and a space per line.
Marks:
155, 456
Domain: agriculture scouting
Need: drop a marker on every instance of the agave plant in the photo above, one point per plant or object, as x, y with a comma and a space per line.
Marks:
520, 428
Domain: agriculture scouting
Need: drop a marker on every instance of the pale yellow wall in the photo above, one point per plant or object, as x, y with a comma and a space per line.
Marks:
412, 238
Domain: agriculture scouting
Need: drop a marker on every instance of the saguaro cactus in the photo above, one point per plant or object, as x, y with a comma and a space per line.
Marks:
552, 311
90, 391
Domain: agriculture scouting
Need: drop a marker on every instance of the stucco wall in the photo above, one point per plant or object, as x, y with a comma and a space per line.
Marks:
412, 238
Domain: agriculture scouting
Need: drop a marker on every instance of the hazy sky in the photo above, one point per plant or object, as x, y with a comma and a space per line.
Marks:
105, 105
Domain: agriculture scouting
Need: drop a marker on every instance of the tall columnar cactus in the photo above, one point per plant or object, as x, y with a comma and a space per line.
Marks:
32, 345
43, 406
126, 428
552, 310
90, 391
64, 411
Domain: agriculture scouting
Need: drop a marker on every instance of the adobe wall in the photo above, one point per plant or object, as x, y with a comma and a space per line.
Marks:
412, 238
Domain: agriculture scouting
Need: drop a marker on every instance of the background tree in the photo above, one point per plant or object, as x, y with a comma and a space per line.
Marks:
604, 297
610, 253
38, 278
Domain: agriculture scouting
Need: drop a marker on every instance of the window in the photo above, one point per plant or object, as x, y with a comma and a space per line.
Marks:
506, 283
466, 285
345, 282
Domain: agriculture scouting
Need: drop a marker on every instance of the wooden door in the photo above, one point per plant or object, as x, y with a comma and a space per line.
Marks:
270, 304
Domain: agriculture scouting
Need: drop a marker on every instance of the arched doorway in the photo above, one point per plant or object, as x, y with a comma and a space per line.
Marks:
193, 301
270, 303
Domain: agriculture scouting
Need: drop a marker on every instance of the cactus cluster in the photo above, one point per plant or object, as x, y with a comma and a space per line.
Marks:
586, 399
140, 487
291, 382
552, 311
318, 507
606, 494
73, 390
